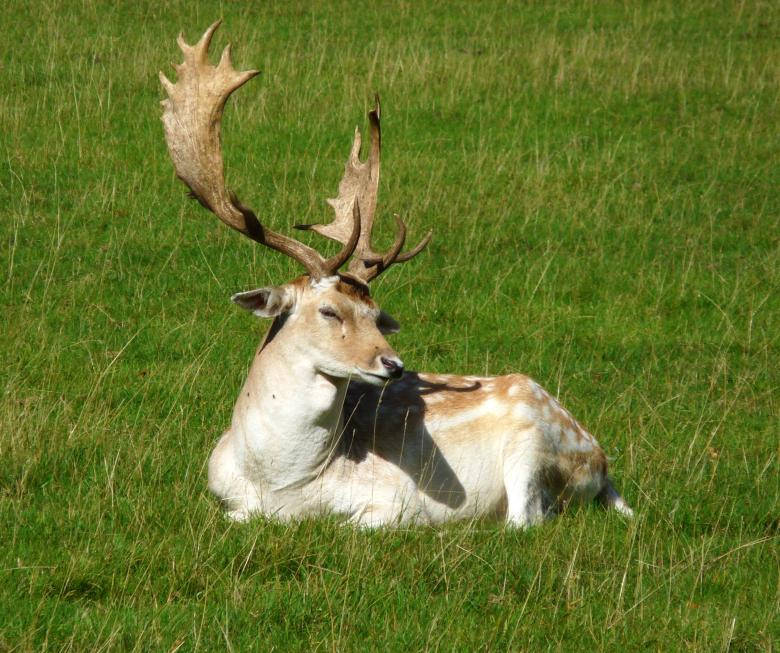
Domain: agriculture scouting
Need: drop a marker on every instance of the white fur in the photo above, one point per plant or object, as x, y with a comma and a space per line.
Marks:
280, 456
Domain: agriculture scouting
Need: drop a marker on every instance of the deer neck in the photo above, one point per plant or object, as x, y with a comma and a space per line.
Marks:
289, 413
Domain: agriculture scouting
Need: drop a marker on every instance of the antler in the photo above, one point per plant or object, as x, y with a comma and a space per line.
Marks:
358, 191
192, 115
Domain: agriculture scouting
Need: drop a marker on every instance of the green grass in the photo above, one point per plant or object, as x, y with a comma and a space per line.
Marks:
602, 180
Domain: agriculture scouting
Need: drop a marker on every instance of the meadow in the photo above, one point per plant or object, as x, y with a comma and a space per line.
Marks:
602, 181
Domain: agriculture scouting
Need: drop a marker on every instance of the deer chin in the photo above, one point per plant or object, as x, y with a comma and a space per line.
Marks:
356, 374
373, 378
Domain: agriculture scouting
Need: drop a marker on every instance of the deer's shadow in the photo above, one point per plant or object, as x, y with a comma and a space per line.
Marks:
390, 423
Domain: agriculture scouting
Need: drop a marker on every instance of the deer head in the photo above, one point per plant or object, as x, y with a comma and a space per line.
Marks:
328, 316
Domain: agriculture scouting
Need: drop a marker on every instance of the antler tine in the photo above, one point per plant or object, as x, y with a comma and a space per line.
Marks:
192, 116
360, 184
406, 256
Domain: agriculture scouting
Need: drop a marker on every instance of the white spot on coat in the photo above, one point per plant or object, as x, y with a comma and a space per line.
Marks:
524, 412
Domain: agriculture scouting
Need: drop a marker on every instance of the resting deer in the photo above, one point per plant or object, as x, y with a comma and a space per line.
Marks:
329, 421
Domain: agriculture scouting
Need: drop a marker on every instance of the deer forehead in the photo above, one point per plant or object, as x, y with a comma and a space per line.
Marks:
325, 283
343, 295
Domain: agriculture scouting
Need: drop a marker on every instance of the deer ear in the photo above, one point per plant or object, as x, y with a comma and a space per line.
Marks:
265, 302
387, 324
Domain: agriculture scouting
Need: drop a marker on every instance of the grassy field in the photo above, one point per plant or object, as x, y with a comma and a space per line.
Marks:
602, 179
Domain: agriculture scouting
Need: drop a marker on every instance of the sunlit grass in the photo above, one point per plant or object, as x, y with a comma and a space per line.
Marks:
602, 182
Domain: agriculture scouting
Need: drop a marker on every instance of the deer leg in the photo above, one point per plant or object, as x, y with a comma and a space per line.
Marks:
527, 498
238, 495
395, 511
526, 505
376, 517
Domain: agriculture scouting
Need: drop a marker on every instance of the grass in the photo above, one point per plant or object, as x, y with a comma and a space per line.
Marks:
602, 180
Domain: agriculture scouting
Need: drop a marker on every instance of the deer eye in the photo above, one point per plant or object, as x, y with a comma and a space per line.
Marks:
329, 313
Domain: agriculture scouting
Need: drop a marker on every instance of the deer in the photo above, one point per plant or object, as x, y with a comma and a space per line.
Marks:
329, 421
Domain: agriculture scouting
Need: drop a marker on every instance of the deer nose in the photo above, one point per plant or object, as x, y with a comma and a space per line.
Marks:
394, 366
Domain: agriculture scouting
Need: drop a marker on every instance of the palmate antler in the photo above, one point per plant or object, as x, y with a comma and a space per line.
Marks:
192, 116
359, 187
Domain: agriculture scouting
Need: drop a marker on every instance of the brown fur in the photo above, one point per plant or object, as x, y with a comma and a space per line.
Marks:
375, 416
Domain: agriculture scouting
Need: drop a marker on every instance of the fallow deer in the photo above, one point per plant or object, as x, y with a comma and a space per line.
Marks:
328, 420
